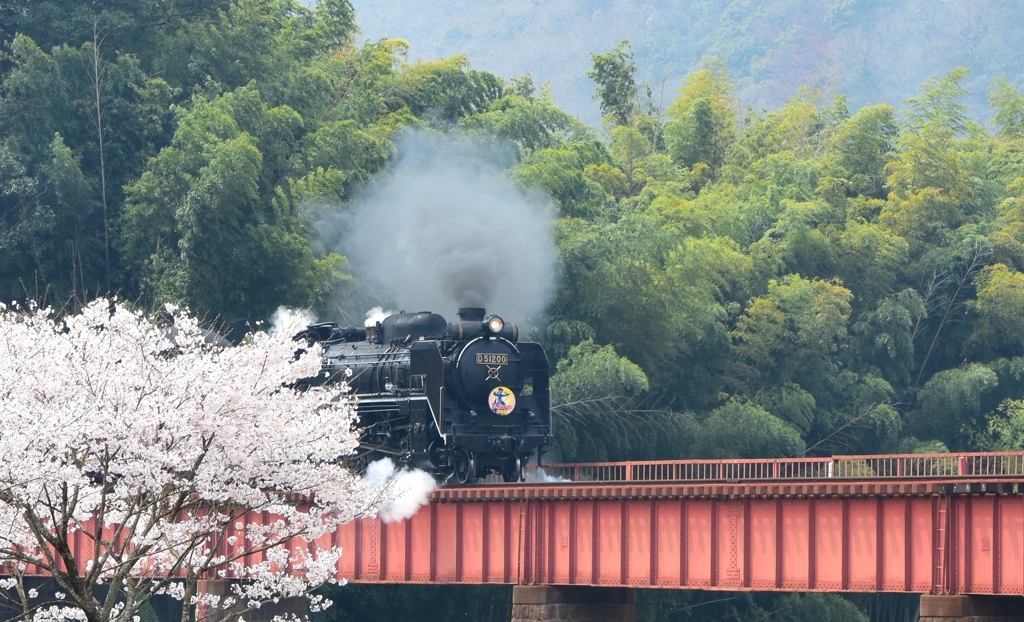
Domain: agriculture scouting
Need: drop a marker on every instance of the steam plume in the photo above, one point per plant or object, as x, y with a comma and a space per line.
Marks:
376, 314
444, 228
539, 475
290, 321
405, 491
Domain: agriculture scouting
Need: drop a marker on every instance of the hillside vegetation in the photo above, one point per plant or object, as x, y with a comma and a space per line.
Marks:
872, 51
804, 281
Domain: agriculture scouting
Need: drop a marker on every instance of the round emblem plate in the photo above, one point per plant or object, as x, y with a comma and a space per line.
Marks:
502, 401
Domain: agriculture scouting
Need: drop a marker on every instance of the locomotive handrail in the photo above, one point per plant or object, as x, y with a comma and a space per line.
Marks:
866, 467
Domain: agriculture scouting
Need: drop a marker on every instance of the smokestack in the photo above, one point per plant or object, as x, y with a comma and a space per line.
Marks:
471, 314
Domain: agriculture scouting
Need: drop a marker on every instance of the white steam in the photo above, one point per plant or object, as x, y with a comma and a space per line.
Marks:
290, 321
376, 314
445, 228
404, 492
540, 476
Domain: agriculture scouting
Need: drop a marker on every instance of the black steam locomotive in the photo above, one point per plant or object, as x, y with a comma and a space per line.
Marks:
462, 398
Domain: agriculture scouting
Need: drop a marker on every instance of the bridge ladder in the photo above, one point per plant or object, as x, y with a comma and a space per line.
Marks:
942, 518
520, 575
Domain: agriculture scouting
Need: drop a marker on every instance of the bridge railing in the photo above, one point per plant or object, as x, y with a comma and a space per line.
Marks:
890, 466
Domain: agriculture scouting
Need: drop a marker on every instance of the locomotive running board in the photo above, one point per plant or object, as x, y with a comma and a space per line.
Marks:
425, 361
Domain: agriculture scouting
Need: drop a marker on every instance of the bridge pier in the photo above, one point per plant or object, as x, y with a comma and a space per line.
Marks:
573, 603
971, 608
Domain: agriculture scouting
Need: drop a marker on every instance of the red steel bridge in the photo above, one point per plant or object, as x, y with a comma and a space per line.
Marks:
937, 524
950, 526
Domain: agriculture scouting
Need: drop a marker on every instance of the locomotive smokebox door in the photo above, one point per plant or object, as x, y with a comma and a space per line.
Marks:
488, 376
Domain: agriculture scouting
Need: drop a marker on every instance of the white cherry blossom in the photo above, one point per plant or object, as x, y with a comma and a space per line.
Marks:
160, 445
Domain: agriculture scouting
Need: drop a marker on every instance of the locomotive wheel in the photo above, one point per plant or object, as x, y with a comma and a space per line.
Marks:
465, 466
512, 470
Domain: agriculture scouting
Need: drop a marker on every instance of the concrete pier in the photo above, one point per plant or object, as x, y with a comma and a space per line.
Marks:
972, 608
573, 604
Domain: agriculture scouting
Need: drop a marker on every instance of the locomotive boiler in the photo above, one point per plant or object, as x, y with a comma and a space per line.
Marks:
462, 398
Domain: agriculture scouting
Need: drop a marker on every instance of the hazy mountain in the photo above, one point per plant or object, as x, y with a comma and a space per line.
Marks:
871, 50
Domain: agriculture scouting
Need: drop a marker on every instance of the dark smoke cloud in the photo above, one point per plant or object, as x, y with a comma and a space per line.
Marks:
444, 228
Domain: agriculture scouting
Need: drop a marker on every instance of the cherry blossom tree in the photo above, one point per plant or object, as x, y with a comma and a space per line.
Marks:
139, 457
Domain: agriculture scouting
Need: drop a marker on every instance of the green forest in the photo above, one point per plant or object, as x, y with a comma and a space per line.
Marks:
804, 281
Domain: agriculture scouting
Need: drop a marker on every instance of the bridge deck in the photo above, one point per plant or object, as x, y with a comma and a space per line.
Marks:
801, 540
939, 524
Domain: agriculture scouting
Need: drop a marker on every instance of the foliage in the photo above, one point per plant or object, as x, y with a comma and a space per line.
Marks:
860, 149
999, 306
951, 404
447, 90
590, 371
740, 429
1009, 107
615, 75
199, 213
531, 123
561, 173
1005, 430
679, 605
594, 383
792, 334
817, 607
702, 121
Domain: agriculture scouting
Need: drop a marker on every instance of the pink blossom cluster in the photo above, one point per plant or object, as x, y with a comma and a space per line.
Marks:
158, 444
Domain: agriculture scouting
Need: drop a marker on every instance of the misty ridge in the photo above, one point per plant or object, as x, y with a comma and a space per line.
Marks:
444, 228
872, 51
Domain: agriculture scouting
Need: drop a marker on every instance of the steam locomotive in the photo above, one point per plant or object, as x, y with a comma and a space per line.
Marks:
460, 399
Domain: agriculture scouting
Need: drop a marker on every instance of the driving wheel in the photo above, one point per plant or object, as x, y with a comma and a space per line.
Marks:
465, 466
512, 470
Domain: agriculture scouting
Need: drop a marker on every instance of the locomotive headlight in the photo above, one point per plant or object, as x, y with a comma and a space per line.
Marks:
495, 324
